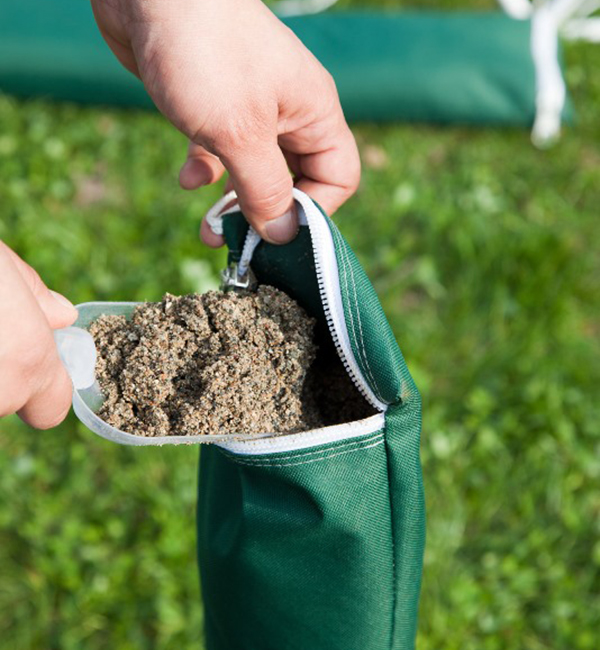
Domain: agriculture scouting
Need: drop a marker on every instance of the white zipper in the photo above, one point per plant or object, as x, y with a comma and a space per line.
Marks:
326, 267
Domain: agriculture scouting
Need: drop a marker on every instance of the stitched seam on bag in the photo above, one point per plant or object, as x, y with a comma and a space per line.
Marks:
361, 338
344, 265
349, 443
358, 341
312, 460
373, 435
321, 449
353, 330
345, 278
394, 576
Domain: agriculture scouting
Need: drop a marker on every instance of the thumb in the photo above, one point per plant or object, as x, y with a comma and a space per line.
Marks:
264, 187
58, 310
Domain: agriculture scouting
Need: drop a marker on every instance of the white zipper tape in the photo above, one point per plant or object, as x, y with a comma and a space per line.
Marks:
306, 439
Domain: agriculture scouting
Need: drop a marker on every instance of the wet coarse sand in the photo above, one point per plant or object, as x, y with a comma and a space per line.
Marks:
220, 363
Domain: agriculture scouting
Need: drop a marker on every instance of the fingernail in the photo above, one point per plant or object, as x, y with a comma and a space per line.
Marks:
283, 229
62, 300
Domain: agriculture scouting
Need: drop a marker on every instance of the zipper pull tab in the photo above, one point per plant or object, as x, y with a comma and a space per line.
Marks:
238, 275
233, 280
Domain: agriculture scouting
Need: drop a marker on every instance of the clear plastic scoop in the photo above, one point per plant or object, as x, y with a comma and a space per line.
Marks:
78, 353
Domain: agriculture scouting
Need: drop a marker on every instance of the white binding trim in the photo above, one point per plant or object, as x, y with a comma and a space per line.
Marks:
306, 439
214, 217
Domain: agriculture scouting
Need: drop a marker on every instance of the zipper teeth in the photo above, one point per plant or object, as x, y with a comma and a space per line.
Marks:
351, 367
358, 382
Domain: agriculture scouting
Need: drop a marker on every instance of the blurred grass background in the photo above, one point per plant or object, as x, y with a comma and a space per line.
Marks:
486, 256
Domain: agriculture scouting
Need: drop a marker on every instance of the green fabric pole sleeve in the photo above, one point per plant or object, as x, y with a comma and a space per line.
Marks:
53, 48
433, 67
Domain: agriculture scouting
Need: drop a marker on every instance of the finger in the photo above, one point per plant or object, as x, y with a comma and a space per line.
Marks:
200, 168
228, 185
206, 233
209, 237
121, 48
263, 184
57, 309
50, 404
33, 381
329, 174
293, 162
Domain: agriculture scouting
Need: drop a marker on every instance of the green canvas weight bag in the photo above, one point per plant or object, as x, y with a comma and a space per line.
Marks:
314, 541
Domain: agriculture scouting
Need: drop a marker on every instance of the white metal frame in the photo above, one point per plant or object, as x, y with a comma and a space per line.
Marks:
286, 8
551, 19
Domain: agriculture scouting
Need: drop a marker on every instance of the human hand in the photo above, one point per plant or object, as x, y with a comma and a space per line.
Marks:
33, 381
249, 96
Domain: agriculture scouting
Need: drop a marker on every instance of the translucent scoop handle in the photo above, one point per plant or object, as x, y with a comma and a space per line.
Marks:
78, 353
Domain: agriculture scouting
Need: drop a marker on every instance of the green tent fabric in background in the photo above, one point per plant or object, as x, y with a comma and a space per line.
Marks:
53, 48
432, 67
435, 67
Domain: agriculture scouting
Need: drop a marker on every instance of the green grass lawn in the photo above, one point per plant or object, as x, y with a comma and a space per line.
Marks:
486, 256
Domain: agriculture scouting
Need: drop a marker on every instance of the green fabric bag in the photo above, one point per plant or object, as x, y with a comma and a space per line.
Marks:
314, 541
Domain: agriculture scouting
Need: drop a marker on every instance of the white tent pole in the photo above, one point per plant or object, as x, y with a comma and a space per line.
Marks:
550, 86
300, 7
518, 9
582, 29
549, 18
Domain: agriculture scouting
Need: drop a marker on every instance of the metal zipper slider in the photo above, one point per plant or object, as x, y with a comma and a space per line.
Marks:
233, 280
238, 275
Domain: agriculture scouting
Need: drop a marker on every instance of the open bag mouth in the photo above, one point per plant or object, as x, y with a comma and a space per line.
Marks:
87, 400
